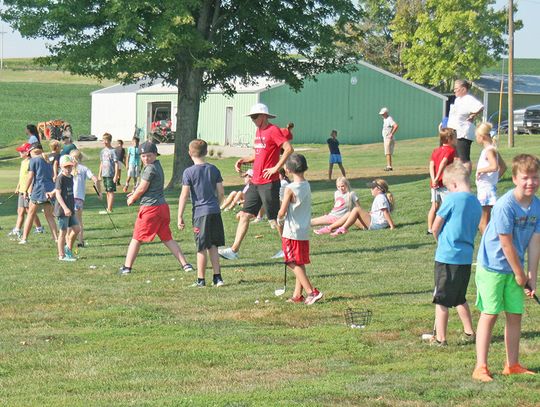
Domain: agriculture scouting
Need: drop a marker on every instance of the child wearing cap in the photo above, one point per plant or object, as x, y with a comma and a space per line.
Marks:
64, 210
68, 144
237, 197
23, 201
204, 183
154, 214
378, 218
108, 171
295, 216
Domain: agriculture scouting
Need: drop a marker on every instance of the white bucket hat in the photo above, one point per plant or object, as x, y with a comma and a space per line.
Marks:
383, 110
260, 108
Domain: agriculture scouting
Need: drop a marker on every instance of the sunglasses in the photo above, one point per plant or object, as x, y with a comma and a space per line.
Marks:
254, 116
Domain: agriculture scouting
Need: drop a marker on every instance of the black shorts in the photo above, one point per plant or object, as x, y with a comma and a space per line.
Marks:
451, 282
463, 149
208, 231
265, 195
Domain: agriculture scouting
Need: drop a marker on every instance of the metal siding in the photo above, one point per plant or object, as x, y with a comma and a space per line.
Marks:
113, 113
327, 104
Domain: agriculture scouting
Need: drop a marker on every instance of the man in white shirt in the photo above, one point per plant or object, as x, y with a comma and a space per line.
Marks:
388, 130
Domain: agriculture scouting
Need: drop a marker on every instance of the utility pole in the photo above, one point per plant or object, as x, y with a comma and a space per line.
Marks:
510, 73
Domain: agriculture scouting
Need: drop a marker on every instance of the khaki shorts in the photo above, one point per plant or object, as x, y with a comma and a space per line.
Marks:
389, 146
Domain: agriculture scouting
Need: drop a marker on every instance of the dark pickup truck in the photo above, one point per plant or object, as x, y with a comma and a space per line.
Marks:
531, 119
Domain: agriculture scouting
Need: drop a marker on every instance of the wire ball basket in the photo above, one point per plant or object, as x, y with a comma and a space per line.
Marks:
356, 318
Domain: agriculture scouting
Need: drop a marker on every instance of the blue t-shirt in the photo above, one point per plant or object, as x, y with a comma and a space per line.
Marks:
508, 217
333, 144
202, 180
43, 178
134, 156
33, 139
461, 212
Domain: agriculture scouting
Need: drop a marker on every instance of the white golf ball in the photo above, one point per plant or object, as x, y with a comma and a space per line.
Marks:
147, 281
256, 301
266, 301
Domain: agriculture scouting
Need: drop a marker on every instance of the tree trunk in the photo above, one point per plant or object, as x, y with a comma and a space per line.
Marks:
187, 116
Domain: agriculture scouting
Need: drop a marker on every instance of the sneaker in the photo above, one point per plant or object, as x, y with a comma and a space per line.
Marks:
467, 339
434, 342
257, 220
228, 253
199, 284
21, 241
516, 369
105, 212
218, 282
323, 231
429, 232
312, 298
68, 251
124, 270
389, 169
39, 230
14, 232
80, 244
278, 255
67, 258
482, 374
296, 300
188, 267
339, 231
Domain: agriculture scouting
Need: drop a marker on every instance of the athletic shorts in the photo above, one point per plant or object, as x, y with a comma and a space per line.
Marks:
463, 149
152, 221
263, 195
208, 231
487, 195
389, 146
121, 165
335, 159
133, 171
451, 282
23, 202
108, 184
296, 251
65, 222
438, 194
79, 204
497, 292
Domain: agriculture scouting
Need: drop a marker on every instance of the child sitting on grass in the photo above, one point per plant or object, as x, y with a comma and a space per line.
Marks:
295, 215
378, 218
205, 184
440, 158
344, 201
64, 210
489, 170
237, 197
454, 229
501, 279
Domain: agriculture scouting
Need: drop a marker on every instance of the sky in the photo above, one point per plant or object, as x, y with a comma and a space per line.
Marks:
525, 40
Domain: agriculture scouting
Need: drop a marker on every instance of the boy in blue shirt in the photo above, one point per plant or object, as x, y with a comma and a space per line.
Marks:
501, 280
205, 184
454, 229
335, 154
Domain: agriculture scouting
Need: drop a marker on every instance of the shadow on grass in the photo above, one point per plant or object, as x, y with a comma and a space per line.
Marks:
395, 293
524, 335
370, 249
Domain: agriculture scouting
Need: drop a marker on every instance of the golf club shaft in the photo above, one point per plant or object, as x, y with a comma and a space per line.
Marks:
106, 210
535, 297
285, 277
7, 199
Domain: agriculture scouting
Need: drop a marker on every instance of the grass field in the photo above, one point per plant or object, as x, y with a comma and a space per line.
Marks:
79, 334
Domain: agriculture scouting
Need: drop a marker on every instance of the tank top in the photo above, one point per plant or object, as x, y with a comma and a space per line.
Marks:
298, 219
487, 179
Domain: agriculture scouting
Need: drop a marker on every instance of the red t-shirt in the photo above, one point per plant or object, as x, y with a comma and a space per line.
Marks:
267, 146
437, 156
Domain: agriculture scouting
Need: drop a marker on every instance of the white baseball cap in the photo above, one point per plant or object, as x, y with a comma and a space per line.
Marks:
260, 108
383, 110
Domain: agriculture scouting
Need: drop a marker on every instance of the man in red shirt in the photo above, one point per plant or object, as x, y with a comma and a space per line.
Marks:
265, 184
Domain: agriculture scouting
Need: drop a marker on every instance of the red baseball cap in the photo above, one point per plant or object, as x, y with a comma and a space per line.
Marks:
24, 148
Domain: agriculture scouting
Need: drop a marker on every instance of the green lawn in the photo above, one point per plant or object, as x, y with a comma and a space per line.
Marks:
79, 334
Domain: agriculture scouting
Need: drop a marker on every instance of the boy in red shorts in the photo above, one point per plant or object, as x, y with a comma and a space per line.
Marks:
154, 215
295, 216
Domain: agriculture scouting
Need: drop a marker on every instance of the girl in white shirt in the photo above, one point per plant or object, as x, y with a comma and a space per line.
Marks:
344, 201
489, 170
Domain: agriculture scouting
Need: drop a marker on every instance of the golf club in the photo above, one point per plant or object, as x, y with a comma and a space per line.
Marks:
105, 206
535, 297
280, 291
7, 199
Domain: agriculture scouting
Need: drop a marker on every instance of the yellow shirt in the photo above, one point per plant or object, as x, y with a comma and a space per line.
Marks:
23, 174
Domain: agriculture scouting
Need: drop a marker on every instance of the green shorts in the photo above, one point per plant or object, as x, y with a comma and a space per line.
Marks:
109, 184
498, 292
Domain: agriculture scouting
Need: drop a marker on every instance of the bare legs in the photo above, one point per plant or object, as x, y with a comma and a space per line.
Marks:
243, 227
32, 213
441, 318
431, 214
388, 160
302, 281
202, 261
357, 216
331, 167
110, 201
484, 220
66, 237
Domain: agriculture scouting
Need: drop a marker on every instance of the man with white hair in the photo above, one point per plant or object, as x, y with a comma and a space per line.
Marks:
265, 184
389, 129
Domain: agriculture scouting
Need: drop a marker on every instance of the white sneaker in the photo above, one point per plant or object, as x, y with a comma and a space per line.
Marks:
40, 229
103, 212
14, 232
228, 253
22, 241
278, 255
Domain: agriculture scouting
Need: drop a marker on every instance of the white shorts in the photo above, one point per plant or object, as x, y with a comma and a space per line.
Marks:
487, 194
133, 171
438, 194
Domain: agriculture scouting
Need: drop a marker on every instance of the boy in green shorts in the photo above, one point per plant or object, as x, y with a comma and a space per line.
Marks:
501, 280
108, 171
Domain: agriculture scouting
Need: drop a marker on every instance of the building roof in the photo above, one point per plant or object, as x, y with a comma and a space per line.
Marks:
523, 84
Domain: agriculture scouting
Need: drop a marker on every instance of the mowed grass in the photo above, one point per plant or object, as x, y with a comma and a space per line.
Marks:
79, 334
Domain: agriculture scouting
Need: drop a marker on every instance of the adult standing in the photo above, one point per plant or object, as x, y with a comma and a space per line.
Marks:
264, 188
462, 114
32, 134
388, 130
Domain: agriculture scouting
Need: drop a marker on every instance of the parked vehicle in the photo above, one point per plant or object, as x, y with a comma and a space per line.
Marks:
519, 126
532, 119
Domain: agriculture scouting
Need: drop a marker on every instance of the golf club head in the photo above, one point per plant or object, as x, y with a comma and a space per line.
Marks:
279, 292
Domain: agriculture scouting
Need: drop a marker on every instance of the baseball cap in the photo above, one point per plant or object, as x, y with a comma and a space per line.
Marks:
148, 147
66, 160
249, 173
375, 184
383, 110
35, 146
260, 108
24, 148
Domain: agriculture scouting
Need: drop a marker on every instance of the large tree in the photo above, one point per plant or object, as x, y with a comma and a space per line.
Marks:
449, 39
193, 44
